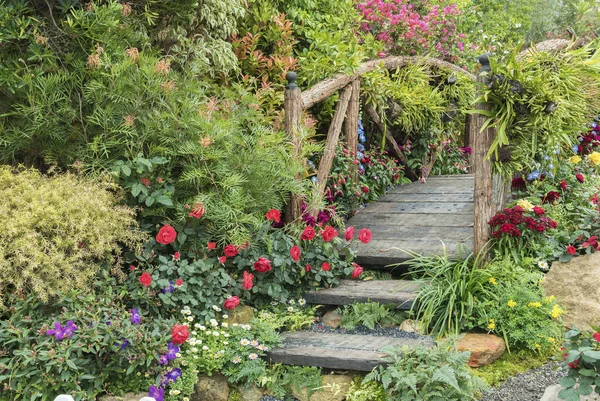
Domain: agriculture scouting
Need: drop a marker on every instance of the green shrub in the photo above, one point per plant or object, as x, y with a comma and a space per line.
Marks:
451, 291
55, 232
369, 314
581, 354
423, 374
107, 353
361, 391
509, 365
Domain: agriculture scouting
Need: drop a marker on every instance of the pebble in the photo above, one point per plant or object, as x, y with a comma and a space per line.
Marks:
527, 386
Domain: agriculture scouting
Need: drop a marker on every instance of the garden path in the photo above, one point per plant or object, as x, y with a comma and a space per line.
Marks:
418, 218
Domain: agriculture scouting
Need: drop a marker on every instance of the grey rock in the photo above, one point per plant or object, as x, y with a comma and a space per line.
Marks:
551, 394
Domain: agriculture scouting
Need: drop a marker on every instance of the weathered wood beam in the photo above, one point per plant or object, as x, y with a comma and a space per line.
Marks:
333, 136
390, 139
328, 87
484, 206
351, 125
293, 122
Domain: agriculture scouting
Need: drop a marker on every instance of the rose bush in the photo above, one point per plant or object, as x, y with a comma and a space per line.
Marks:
581, 356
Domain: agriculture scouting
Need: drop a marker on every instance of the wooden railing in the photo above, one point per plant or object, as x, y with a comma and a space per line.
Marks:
346, 119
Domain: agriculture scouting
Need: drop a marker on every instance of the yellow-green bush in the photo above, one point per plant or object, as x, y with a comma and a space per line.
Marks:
55, 232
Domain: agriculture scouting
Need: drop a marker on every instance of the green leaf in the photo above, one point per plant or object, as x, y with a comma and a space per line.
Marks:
149, 201
126, 170
164, 200
567, 382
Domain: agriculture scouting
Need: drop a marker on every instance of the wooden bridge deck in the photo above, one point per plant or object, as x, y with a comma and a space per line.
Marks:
418, 217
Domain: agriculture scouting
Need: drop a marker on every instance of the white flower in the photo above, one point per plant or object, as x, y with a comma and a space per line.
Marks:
194, 349
201, 328
205, 348
244, 342
252, 356
178, 355
226, 335
225, 316
290, 308
302, 302
174, 392
225, 324
235, 325
213, 322
236, 360
216, 333
517, 26
262, 348
292, 302
185, 323
254, 343
186, 398
190, 318
225, 342
184, 362
543, 265
215, 307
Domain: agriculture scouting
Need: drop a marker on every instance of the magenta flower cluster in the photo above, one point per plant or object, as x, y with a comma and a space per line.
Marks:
405, 30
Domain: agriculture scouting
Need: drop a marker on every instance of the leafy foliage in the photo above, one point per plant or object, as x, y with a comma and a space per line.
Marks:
56, 232
509, 365
427, 374
582, 357
107, 352
280, 380
369, 314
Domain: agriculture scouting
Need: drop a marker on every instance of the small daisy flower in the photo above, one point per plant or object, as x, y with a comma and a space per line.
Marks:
253, 356
225, 342
244, 342
225, 316
178, 355
543, 265
190, 318
216, 308
254, 343
302, 302
235, 325
236, 360
262, 348
290, 308
205, 348
224, 324
197, 325
216, 333
213, 322
226, 335
202, 328
292, 302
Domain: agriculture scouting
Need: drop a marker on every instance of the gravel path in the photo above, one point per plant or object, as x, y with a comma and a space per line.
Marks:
528, 386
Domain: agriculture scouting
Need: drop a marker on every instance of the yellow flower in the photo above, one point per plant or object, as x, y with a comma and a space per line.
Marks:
594, 158
535, 305
511, 303
549, 299
525, 204
551, 340
538, 346
491, 325
576, 159
493, 281
556, 312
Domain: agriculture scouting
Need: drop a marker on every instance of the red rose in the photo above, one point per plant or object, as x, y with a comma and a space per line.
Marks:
131, 267
349, 234
308, 233
365, 190
222, 259
597, 337
166, 235
273, 215
365, 235
197, 211
295, 253
262, 265
248, 281
551, 197
230, 251
571, 250
563, 185
211, 245
574, 364
146, 279
231, 303
179, 334
357, 271
145, 181
326, 266
308, 268
580, 178
179, 282
176, 256
329, 233
538, 210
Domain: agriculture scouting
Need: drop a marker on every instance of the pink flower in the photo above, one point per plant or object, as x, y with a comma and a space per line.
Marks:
222, 259
231, 303
571, 250
197, 211
230, 251
308, 233
248, 281
329, 233
580, 178
166, 235
176, 256
365, 236
179, 282
357, 271
597, 337
308, 268
145, 181
211, 245
349, 234
295, 253
274, 215
325, 266
262, 265
146, 279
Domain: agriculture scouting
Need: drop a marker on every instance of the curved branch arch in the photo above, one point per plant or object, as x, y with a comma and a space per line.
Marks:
328, 87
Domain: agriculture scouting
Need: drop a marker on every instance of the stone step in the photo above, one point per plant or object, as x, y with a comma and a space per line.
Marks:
397, 292
338, 351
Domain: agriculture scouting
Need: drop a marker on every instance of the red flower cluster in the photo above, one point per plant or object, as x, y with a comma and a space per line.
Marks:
513, 222
551, 196
273, 215
589, 142
519, 183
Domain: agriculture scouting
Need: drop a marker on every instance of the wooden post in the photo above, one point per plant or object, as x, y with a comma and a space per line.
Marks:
293, 122
484, 205
333, 136
351, 125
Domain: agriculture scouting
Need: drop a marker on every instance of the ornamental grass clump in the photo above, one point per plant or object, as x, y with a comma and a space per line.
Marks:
56, 232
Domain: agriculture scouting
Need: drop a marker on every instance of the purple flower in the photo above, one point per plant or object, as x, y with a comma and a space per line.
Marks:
466, 150
157, 393
136, 318
172, 351
309, 220
108, 323
123, 345
172, 376
163, 360
170, 288
70, 328
323, 216
58, 332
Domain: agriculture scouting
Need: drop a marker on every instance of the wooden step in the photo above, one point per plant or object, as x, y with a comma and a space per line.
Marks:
338, 351
397, 292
